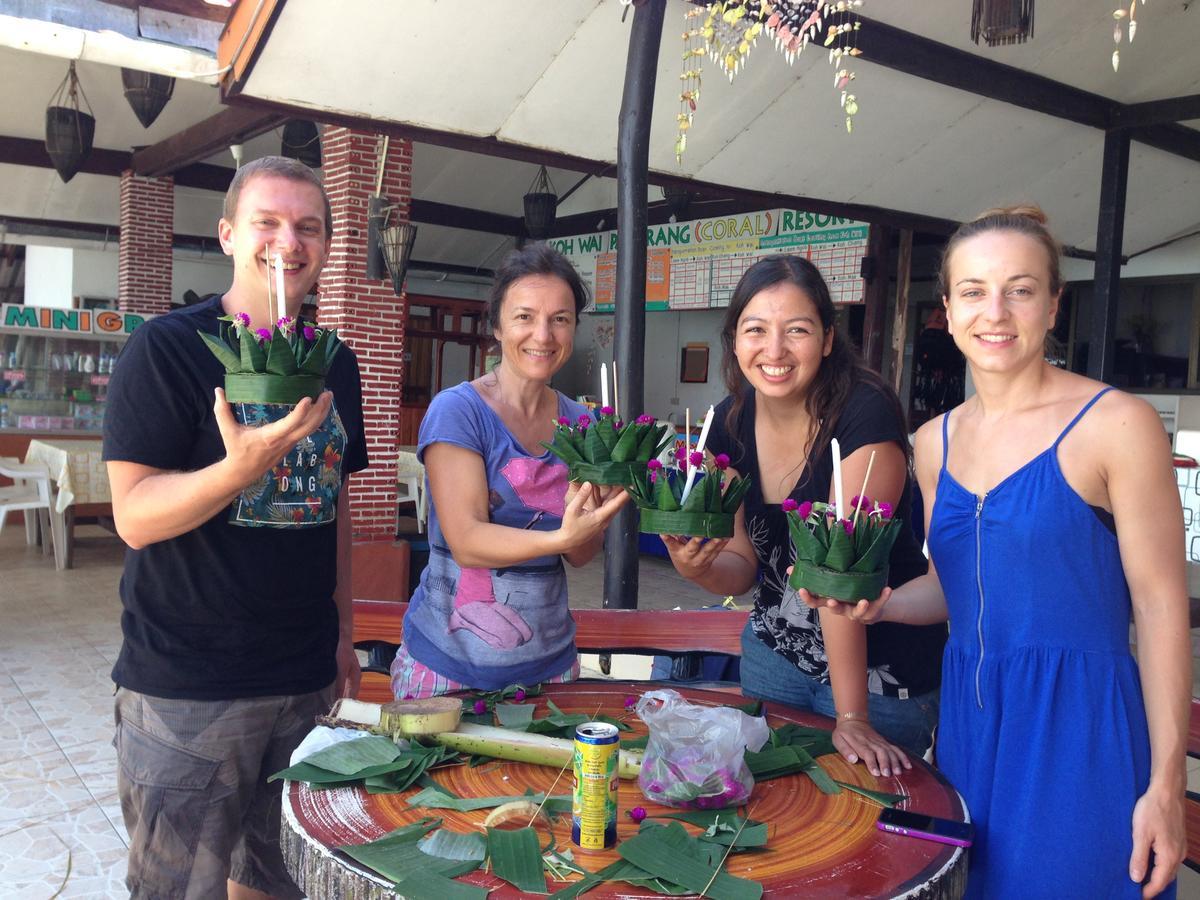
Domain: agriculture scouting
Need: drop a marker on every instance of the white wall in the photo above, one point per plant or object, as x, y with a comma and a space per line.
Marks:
1180, 258
666, 334
48, 276
95, 273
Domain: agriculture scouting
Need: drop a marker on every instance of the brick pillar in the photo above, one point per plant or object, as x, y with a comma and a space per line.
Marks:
147, 234
367, 314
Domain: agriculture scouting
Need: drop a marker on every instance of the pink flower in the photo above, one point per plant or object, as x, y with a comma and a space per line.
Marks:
263, 335
630, 702
606, 410
584, 421
310, 333
654, 465
861, 501
847, 526
696, 458
884, 510
680, 451
637, 814
721, 461
480, 707
564, 421
519, 694
241, 320
804, 510
618, 424
644, 419
789, 505
286, 325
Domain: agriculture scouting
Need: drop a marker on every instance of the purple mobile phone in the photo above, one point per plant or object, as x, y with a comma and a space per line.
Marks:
928, 828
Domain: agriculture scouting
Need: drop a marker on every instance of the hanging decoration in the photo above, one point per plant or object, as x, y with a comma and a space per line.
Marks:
69, 130
731, 29
1128, 17
147, 93
541, 205
1002, 21
302, 140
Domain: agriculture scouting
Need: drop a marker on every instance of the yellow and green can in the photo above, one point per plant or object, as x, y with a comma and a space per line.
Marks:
594, 809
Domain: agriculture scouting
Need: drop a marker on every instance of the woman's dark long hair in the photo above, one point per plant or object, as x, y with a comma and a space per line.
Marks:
838, 373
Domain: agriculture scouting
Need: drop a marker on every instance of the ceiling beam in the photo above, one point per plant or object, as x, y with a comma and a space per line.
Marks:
232, 125
1158, 112
430, 212
92, 231
196, 9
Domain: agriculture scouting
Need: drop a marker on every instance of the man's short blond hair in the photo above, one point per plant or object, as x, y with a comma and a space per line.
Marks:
278, 167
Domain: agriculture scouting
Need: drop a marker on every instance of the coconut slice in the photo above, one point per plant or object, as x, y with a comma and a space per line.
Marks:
355, 713
432, 715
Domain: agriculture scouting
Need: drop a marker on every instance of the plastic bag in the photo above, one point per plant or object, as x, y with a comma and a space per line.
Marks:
695, 757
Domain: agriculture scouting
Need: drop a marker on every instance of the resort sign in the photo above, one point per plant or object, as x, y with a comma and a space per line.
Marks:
696, 264
16, 318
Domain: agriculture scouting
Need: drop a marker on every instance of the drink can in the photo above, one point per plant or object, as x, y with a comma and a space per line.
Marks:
594, 806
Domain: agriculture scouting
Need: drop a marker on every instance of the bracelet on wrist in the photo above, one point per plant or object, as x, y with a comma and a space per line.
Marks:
854, 717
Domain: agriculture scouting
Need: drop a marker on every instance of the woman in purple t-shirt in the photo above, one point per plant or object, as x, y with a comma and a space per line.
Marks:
491, 609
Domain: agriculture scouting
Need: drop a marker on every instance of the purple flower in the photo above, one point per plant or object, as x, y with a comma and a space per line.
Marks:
263, 335
655, 787
564, 421
241, 320
721, 461
618, 425
310, 333
606, 410
804, 510
848, 526
286, 325
644, 419
480, 707
790, 505
584, 421
696, 458
681, 451
637, 814
884, 510
630, 702
861, 501
654, 465
519, 694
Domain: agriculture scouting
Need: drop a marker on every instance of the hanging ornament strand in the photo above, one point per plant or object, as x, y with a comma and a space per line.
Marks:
1120, 14
689, 78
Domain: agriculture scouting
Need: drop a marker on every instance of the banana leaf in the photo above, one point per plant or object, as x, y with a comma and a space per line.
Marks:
734, 495
692, 524
220, 349
808, 546
281, 360
516, 857
425, 883
654, 854
627, 443
253, 357
455, 844
396, 855
883, 798
607, 434
841, 549
594, 449
349, 758
849, 587
665, 496
435, 799
879, 551
695, 501
517, 716
723, 826
563, 448
316, 359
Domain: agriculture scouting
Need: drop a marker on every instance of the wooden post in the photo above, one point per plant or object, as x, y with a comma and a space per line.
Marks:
900, 322
633, 155
1110, 231
879, 261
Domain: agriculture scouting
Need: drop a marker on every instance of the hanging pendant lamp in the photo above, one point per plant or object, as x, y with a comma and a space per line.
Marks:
69, 130
301, 140
147, 93
541, 205
1002, 21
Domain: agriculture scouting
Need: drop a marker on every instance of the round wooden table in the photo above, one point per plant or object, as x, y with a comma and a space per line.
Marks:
820, 845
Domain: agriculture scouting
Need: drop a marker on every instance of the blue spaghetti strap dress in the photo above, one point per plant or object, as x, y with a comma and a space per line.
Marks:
1043, 728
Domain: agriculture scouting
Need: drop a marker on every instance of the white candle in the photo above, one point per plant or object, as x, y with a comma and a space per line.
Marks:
616, 392
604, 384
838, 498
270, 305
687, 437
687, 487
280, 295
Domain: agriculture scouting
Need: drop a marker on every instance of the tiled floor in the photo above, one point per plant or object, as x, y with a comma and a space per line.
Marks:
60, 821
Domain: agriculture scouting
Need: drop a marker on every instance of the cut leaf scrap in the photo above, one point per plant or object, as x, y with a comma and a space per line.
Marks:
516, 856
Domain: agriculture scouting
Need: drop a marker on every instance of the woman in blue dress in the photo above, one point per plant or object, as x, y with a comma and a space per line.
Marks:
1054, 514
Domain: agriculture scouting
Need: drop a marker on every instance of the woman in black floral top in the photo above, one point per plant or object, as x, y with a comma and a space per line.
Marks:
794, 384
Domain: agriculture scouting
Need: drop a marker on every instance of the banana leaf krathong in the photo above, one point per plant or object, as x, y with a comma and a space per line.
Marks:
707, 511
283, 365
608, 451
841, 558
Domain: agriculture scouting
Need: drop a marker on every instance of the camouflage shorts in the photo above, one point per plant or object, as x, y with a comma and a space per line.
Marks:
192, 778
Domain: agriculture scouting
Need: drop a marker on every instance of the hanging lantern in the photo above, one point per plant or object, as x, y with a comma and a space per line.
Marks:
1001, 21
678, 199
302, 141
396, 242
69, 130
541, 205
147, 93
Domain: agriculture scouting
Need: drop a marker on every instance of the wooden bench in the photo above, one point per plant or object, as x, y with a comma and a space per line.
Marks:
378, 626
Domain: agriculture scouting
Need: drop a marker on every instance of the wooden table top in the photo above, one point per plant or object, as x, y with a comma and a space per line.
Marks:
820, 845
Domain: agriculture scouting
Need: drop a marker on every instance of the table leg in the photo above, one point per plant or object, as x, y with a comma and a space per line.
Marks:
43, 530
63, 525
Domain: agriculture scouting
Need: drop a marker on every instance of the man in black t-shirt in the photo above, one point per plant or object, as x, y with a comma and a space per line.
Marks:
237, 612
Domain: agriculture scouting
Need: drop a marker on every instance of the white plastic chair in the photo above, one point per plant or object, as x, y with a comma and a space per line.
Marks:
30, 491
410, 488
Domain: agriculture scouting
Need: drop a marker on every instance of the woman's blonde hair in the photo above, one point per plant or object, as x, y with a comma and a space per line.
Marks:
1028, 220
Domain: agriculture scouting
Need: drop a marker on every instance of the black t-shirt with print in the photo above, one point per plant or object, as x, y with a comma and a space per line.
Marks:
242, 605
902, 660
